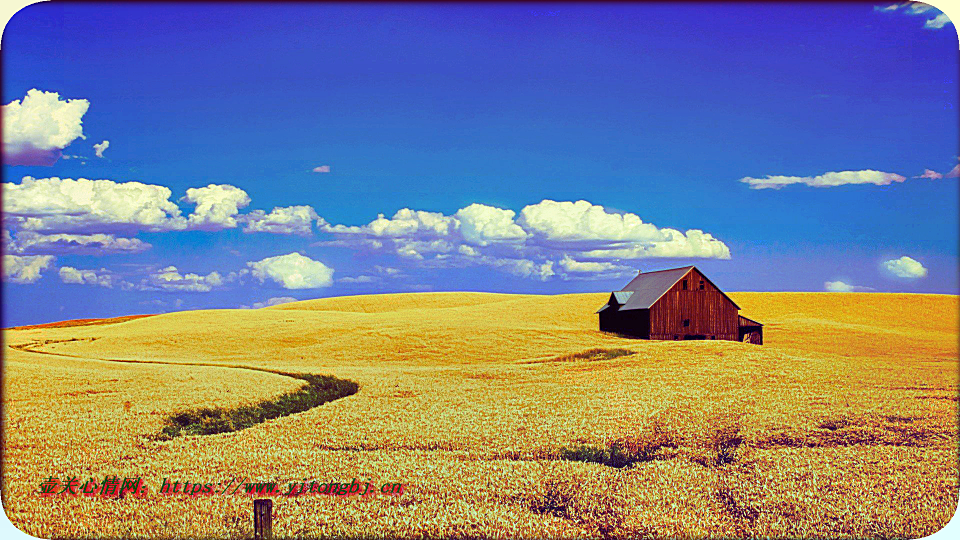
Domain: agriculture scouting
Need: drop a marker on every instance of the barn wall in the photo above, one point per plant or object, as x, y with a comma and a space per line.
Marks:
709, 311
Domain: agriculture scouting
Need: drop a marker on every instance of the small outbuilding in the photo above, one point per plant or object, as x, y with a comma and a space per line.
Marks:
675, 304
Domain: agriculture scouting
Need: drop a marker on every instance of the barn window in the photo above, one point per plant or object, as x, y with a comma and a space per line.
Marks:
684, 284
676, 337
701, 284
686, 322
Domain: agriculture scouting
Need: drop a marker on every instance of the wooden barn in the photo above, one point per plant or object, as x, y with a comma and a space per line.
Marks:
680, 303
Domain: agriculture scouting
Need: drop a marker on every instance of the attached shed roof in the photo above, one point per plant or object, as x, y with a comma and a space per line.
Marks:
617, 298
748, 322
644, 290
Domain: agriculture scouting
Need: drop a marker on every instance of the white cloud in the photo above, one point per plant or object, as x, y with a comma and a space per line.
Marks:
101, 278
932, 175
481, 224
32, 242
905, 267
217, 206
275, 301
170, 279
571, 265
293, 271
99, 148
283, 220
521, 267
572, 269
359, 279
322, 169
37, 128
54, 204
837, 286
954, 172
938, 22
842, 286
830, 179
25, 269
918, 8
388, 271
405, 223
599, 233
469, 251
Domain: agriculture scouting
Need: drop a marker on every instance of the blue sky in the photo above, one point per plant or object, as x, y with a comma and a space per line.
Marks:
657, 116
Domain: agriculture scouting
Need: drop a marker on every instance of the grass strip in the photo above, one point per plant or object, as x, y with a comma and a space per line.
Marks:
319, 389
592, 355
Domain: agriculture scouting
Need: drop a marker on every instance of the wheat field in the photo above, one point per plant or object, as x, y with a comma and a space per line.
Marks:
843, 424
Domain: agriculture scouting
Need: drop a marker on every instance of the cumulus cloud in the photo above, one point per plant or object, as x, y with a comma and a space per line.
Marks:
905, 267
25, 269
217, 206
37, 128
405, 223
830, 179
599, 233
101, 278
54, 204
86, 244
293, 271
481, 224
283, 220
322, 169
275, 301
841, 286
170, 279
100, 147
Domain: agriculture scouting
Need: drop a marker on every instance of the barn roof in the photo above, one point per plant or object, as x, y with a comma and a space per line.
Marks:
648, 287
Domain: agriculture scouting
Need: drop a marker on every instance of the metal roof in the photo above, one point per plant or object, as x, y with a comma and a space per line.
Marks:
648, 287
644, 290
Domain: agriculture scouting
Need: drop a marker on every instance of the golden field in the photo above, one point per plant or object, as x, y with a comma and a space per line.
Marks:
844, 422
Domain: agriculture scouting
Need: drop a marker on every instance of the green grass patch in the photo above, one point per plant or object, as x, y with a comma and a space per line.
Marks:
624, 451
592, 355
319, 389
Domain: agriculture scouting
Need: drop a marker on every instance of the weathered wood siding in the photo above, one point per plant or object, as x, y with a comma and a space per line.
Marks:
710, 313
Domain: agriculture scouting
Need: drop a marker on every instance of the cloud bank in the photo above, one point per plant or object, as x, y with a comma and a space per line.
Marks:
530, 244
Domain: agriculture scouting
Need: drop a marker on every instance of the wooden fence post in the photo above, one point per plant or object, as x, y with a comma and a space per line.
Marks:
263, 519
